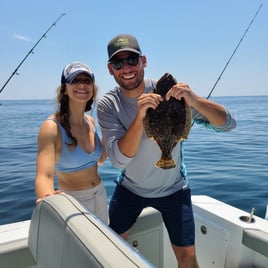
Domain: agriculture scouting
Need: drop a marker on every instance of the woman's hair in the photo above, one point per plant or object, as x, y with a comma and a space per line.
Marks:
63, 112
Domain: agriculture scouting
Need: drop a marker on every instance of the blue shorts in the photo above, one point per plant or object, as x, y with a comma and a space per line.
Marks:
176, 210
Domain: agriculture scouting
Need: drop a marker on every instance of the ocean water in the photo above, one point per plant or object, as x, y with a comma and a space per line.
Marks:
232, 166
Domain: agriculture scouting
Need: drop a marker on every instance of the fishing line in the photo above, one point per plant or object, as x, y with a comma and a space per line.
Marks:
31, 51
234, 51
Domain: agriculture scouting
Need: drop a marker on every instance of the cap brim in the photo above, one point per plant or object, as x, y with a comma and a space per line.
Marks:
73, 75
124, 49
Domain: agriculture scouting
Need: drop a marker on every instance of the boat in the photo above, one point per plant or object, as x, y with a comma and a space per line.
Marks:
61, 233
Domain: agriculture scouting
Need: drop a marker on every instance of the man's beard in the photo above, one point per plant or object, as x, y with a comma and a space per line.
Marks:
132, 86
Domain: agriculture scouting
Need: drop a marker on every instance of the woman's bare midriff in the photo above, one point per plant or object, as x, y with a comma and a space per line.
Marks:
79, 180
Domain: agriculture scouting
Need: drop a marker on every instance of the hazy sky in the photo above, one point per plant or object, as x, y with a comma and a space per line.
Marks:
192, 40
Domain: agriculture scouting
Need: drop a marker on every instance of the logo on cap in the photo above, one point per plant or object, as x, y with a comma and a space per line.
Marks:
121, 42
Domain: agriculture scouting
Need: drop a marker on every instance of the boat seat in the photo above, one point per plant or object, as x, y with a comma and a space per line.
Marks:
256, 240
63, 233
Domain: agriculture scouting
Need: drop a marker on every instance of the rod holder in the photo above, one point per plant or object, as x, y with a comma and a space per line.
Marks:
248, 219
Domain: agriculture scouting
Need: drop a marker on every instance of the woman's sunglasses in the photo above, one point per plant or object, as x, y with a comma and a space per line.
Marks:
85, 80
132, 60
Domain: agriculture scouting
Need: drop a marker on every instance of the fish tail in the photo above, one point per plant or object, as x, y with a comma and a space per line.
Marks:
165, 163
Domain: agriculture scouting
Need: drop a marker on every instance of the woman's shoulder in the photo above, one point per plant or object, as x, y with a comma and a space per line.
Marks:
50, 123
49, 133
52, 117
90, 119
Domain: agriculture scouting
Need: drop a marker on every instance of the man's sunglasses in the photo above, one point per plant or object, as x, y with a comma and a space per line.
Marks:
132, 60
85, 80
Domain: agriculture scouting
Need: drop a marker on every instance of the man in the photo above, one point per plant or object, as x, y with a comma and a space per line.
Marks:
142, 184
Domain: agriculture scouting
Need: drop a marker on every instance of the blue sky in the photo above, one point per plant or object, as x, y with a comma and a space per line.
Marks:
190, 39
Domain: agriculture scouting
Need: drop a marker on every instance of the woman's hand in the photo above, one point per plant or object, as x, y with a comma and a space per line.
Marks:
41, 199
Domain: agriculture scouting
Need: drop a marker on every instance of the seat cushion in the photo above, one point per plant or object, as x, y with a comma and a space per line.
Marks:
64, 234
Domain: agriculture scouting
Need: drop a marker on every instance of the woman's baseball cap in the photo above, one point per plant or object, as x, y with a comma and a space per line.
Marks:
73, 69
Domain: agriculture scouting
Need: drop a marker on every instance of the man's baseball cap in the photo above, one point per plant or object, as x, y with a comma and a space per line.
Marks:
73, 69
123, 42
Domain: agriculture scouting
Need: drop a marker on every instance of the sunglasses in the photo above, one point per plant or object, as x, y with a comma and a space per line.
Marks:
85, 80
131, 60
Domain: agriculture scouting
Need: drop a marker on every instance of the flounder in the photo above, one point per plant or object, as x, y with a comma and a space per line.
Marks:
169, 123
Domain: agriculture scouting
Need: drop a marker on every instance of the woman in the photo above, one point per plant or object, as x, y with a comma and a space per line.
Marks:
69, 146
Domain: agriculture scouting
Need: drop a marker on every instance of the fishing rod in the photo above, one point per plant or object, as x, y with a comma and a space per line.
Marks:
234, 51
31, 51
